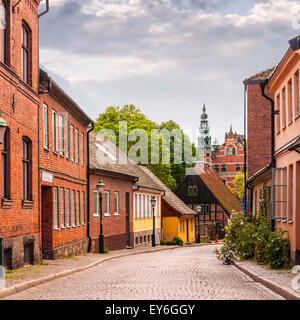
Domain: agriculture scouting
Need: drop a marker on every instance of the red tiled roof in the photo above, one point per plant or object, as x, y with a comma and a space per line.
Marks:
263, 75
226, 198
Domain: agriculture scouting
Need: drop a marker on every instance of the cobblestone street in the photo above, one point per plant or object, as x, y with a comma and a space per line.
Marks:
185, 273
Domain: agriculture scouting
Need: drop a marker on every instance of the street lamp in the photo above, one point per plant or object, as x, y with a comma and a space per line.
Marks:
100, 189
3, 126
199, 208
153, 202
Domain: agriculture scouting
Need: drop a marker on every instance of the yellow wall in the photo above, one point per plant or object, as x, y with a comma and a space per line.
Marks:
146, 223
171, 228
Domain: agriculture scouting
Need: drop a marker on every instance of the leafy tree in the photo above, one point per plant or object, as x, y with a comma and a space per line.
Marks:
170, 173
239, 185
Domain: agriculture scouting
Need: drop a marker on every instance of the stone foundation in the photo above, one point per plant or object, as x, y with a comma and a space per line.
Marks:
70, 249
145, 237
13, 249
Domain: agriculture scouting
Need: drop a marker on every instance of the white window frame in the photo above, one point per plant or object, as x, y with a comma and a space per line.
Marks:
45, 126
82, 149
95, 193
67, 138
62, 208
158, 206
116, 212
68, 208
83, 208
106, 213
136, 205
279, 182
140, 206
55, 208
54, 131
73, 209
78, 209
72, 144
77, 145
61, 134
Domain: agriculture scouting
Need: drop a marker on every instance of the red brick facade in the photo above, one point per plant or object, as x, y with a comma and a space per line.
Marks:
228, 159
63, 170
117, 227
19, 219
258, 129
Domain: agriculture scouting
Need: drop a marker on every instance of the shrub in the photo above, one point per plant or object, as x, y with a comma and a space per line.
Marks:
171, 243
178, 241
163, 242
278, 250
225, 254
106, 250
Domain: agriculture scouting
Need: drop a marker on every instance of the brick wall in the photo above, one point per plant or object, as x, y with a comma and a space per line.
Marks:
114, 226
259, 129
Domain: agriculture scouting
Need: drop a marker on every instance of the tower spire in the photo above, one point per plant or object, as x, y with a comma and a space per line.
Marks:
230, 128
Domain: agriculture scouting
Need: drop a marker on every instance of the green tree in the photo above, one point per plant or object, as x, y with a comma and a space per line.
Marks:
170, 173
239, 185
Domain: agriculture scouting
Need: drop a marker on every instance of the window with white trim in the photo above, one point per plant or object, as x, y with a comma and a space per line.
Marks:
279, 192
54, 131
3, 31
158, 205
67, 133
68, 209
83, 208
55, 207
136, 205
95, 203
82, 148
72, 144
116, 203
140, 206
62, 207
78, 209
106, 203
73, 209
61, 134
77, 145
45, 125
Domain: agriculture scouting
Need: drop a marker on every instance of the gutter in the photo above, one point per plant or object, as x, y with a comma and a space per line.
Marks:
88, 184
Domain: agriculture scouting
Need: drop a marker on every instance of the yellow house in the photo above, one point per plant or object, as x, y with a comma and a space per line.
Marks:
144, 190
178, 220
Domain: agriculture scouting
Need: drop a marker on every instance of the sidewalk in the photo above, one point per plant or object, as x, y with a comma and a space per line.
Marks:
280, 281
32, 275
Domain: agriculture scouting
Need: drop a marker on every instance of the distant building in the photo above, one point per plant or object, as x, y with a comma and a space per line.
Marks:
226, 159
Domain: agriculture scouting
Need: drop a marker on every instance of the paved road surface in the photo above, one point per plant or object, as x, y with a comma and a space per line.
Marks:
185, 273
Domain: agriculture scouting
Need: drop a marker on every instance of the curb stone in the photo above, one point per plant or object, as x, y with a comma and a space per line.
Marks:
33, 283
283, 291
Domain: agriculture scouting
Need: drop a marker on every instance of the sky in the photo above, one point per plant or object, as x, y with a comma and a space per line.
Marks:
167, 57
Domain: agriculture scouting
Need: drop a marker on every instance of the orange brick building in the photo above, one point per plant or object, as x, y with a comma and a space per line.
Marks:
19, 77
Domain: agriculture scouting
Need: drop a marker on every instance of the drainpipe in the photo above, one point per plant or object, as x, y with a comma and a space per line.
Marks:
273, 160
245, 149
88, 185
39, 179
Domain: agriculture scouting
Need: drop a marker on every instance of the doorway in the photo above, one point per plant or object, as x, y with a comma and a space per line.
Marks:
187, 230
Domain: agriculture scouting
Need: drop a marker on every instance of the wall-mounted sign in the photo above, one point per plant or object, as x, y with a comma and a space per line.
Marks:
47, 177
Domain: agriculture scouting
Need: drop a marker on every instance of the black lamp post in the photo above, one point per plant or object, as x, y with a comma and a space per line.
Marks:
199, 212
100, 189
153, 202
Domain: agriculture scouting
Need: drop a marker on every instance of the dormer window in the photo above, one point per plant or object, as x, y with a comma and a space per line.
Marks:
3, 31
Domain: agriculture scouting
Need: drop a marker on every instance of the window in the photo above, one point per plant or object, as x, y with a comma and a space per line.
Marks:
297, 94
279, 191
140, 206
227, 151
78, 209
3, 31
54, 131
182, 225
191, 225
284, 108
195, 191
216, 167
55, 208
83, 208
144, 206
237, 167
136, 205
25, 53
5, 172
67, 139
116, 203
190, 191
62, 207
26, 160
72, 143
233, 151
68, 209
291, 197
223, 167
61, 135
224, 181
106, 203
95, 203
77, 145
290, 102
158, 206
73, 209
82, 148
45, 125
278, 115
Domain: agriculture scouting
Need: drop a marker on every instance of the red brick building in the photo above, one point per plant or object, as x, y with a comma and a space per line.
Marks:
117, 203
228, 159
63, 172
19, 73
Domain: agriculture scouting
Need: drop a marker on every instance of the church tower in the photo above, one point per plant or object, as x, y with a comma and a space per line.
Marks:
204, 139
